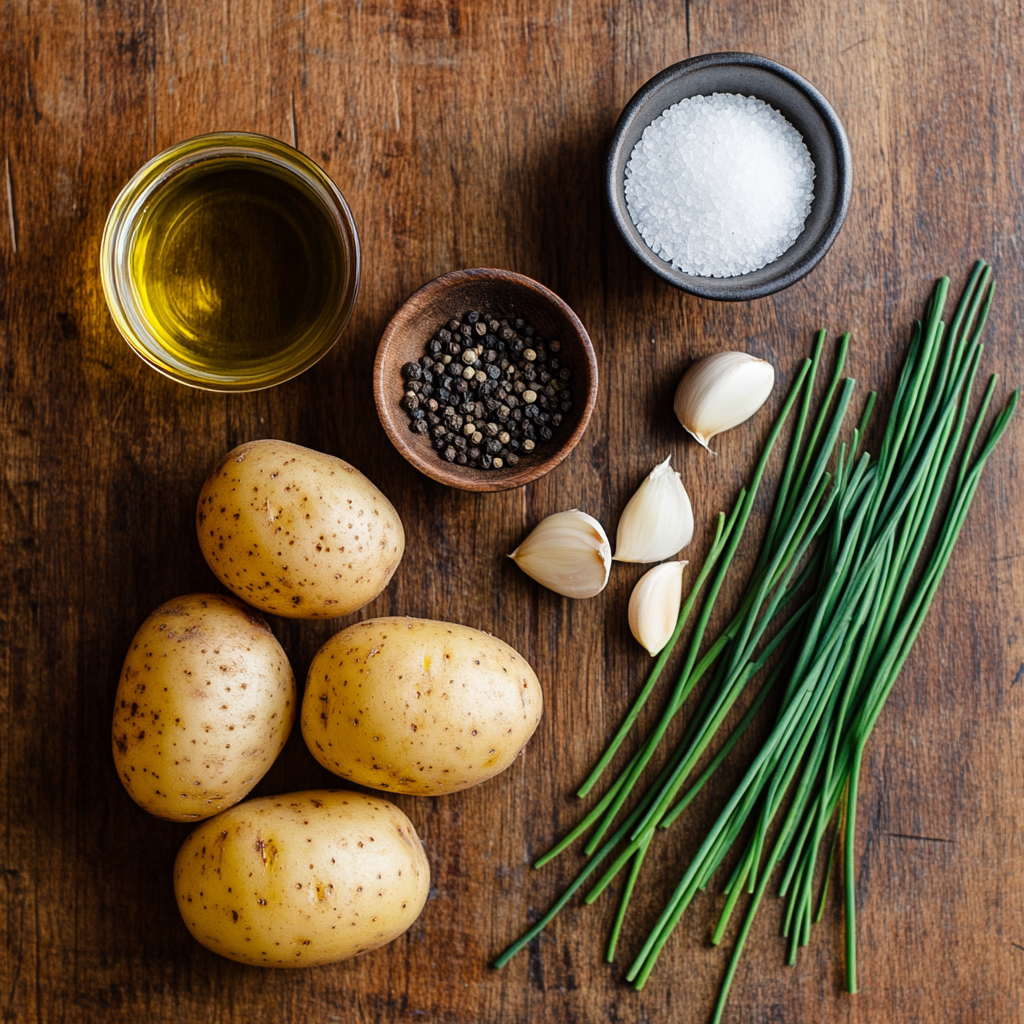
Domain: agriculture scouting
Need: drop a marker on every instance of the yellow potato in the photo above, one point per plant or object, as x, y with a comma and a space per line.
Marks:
295, 532
302, 879
416, 706
205, 703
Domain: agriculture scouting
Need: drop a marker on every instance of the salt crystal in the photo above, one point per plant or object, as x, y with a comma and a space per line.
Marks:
720, 185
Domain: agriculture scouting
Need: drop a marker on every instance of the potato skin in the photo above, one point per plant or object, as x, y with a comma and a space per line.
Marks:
417, 706
204, 705
302, 879
296, 532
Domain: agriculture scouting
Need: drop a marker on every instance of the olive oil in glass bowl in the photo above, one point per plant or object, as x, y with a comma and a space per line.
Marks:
230, 262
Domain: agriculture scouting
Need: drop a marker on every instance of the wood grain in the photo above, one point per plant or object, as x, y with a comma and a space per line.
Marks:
471, 134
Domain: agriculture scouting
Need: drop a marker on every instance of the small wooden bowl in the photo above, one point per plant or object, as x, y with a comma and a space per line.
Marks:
502, 293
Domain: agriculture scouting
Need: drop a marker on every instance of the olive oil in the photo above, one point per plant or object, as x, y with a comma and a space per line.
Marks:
234, 266
230, 262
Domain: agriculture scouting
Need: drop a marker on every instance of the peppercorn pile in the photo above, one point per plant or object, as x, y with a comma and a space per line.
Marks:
488, 391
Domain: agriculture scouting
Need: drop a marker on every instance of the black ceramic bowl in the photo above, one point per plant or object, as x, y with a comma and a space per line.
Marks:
801, 104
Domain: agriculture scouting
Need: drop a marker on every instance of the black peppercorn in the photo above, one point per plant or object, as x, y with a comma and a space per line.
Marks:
468, 388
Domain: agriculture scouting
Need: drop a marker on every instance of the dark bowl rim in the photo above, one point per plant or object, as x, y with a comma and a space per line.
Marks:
452, 475
844, 172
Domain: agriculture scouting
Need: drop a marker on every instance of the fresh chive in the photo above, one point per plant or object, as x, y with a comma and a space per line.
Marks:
857, 536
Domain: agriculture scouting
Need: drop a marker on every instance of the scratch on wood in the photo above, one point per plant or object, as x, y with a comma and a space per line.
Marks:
128, 391
1017, 945
689, 48
1019, 676
923, 839
295, 130
1008, 558
860, 42
10, 203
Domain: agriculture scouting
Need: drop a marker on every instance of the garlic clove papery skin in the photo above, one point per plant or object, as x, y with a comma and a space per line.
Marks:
654, 605
567, 552
722, 391
657, 522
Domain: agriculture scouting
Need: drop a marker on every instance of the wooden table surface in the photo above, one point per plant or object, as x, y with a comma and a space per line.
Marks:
473, 134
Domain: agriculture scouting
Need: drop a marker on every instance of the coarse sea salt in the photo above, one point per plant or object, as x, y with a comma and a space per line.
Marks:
719, 185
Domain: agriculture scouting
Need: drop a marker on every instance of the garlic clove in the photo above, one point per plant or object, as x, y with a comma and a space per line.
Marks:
657, 521
567, 552
722, 391
654, 605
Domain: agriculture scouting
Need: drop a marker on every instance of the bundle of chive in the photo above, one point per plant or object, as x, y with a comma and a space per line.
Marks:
842, 585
